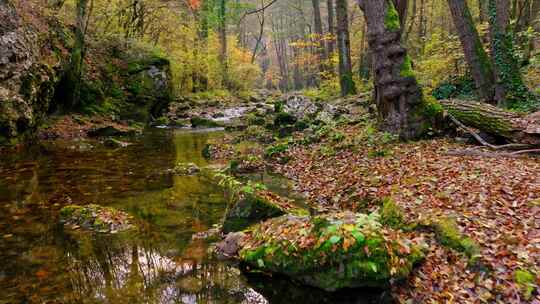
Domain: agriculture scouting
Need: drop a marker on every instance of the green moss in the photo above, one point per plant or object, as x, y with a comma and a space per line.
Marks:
449, 235
392, 214
431, 107
406, 69
201, 122
526, 282
253, 208
330, 251
391, 19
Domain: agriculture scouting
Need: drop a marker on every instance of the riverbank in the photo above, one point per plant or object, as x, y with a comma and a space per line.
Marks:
489, 201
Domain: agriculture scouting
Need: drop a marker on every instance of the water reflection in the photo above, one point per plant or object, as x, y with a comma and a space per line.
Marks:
40, 262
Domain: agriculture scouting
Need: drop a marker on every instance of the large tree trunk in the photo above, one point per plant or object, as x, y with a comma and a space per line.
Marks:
398, 96
476, 56
344, 49
514, 127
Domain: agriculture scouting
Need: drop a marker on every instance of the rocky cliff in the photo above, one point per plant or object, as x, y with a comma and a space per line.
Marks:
121, 79
31, 59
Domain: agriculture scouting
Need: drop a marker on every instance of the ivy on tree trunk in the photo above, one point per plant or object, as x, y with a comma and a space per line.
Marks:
510, 90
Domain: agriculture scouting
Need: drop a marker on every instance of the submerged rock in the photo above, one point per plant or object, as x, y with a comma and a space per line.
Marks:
115, 143
253, 208
186, 169
333, 251
95, 218
113, 130
201, 122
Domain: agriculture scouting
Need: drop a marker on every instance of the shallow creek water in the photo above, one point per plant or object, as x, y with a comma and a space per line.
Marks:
40, 262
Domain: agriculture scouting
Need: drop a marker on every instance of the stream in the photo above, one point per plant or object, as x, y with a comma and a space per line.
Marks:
41, 262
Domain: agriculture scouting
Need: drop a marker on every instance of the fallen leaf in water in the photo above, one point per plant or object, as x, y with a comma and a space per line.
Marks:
41, 274
7, 236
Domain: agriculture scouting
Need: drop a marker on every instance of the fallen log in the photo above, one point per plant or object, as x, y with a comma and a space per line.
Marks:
514, 127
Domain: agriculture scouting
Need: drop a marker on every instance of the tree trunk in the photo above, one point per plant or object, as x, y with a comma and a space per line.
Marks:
398, 96
75, 71
223, 41
331, 27
476, 56
319, 39
482, 11
344, 49
490, 119
510, 90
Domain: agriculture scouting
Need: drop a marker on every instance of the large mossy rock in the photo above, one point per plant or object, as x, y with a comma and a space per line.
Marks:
334, 251
253, 208
95, 218
130, 81
32, 54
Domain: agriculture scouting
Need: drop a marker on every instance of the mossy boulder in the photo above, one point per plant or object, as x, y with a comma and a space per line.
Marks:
95, 218
201, 122
114, 130
252, 208
333, 251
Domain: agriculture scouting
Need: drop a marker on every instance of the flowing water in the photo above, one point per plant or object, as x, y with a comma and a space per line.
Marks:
40, 262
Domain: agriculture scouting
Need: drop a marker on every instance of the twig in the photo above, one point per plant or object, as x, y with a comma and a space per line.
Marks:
526, 151
481, 140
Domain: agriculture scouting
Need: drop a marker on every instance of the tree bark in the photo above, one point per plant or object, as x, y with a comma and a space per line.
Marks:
319, 39
400, 104
223, 41
331, 27
482, 11
475, 55
514, 127
344, 49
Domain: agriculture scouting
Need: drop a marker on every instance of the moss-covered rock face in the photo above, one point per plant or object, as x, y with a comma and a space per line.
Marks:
253, 208
334, 251
129, 80
95, 218
29, 71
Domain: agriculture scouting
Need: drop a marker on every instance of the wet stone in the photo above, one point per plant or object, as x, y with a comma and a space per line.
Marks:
95, 218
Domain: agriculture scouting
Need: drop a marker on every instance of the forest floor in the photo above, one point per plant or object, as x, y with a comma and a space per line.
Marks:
494, 200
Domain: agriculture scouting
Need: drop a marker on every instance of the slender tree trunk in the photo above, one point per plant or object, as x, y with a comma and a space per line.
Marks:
398, 96
476, 56
364, 67
223, 41
482, 11
75, 72
510, 90
344, 49
422, 26
331, 27
319, 40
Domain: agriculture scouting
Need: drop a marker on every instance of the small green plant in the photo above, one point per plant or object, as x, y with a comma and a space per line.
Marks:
525, 281
327, 151
276, 149
337, 136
